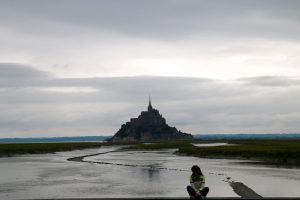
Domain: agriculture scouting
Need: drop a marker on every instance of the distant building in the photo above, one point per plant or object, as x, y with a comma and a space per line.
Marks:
150, 126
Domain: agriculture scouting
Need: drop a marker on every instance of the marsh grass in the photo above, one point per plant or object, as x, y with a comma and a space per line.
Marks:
38, 148
281, 152
278, 152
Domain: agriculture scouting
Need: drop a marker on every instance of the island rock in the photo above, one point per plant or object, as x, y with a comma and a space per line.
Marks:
150, 126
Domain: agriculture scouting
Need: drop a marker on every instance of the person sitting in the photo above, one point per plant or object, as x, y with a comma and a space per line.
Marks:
197, 188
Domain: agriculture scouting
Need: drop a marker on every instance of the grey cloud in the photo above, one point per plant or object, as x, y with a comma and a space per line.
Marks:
272, 81
31, 85
19, 71
16, 76
157, 19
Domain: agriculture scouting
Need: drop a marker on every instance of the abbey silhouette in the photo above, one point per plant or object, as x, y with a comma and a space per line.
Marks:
150, 126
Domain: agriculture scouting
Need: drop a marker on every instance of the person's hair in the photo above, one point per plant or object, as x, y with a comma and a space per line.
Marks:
196, 172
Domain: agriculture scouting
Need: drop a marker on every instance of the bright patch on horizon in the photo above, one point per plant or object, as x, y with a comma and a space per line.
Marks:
70, 89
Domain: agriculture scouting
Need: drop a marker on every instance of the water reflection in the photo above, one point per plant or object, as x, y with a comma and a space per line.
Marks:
152, 172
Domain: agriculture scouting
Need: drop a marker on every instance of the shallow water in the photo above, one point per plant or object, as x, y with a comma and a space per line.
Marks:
211, 144
134, 174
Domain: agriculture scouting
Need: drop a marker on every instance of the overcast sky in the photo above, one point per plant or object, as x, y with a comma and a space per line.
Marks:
77, 67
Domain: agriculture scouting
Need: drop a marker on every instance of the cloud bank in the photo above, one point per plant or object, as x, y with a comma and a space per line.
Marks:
35, 103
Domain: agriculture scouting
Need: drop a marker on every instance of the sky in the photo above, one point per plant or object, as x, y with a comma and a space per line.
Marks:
79, 68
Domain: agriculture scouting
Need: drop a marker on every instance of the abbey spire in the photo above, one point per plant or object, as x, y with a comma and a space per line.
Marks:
149, 106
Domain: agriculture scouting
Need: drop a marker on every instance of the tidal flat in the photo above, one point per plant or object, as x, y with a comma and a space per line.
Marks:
109, 171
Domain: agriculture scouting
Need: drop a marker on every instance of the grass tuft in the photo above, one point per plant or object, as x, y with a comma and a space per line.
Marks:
280, 152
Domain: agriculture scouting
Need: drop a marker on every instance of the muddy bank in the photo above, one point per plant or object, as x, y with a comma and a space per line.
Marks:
244, 191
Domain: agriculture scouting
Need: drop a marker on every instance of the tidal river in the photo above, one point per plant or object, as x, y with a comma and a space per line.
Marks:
107, 172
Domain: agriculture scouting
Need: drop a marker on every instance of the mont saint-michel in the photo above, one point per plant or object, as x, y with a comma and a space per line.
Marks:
148, 127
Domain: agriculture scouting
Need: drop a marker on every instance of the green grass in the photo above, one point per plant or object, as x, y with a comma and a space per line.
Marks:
283, 152
38, 148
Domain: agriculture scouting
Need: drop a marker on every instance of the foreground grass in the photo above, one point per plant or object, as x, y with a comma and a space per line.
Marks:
283, 152
38, 148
